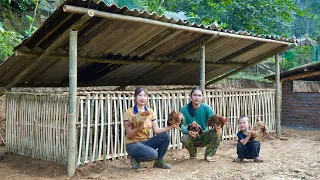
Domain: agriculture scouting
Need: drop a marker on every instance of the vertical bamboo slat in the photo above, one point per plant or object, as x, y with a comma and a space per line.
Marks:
90, 128
81, 132
122, 141
101, 124
105, 129
95, 136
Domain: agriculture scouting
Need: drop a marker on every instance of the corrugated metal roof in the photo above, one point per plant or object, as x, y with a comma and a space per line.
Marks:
307, 72
120, 49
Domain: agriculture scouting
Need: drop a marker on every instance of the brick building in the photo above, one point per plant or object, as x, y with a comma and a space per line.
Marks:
300, 108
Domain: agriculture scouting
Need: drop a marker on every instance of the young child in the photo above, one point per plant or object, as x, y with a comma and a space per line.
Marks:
246, 147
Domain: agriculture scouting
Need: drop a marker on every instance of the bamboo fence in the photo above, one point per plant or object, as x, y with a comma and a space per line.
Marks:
37, 124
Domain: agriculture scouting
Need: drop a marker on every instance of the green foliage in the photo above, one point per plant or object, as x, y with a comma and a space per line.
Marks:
23, 5
307, 20
32, 28
8, 40
263, 16
296, 57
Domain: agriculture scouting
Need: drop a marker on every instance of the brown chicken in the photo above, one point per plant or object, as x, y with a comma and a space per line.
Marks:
138, 119
217, 120
195, 127
175, 118
259, 131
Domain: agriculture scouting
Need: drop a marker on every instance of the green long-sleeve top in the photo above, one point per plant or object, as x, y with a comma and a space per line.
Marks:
201, 116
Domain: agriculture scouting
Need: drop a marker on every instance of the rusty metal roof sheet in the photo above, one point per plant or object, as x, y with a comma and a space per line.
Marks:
119, 46
307, 72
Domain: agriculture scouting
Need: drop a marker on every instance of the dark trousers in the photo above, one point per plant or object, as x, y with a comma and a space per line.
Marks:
146, 151
249, 151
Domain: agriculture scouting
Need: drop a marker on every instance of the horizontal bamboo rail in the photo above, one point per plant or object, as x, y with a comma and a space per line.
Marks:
36, 124
107, 15
121, 61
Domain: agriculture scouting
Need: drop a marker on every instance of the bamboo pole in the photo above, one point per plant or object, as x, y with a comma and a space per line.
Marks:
81, 132
107, 15
122, 61
109, 124
88, 101
105, 117
91, 130
101, 122
203, 70
116, 137
122, 130
278, 97
71, 165
95, 135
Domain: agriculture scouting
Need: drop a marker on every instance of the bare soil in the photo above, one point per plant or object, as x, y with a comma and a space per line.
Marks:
295, 156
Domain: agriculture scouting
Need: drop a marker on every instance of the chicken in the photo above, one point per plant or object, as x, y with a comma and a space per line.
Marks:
259, 131
175, 118
195, 127
138, 119
217, 120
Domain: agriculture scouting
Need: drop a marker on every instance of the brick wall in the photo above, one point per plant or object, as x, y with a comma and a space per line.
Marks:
300, 108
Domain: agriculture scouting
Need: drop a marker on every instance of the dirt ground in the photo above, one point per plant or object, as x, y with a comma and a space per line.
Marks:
297, 156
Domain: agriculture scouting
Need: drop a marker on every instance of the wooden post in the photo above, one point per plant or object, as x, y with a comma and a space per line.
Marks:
202, 69
278, 97
71, 163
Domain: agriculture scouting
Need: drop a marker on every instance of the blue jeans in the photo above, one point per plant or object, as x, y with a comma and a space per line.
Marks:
249, 151
146, 151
